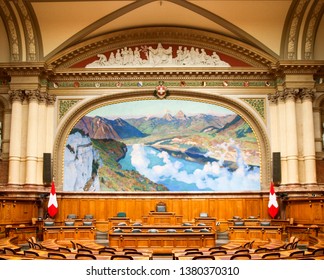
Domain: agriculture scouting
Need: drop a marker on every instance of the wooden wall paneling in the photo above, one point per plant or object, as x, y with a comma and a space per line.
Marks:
87, 206
69, 206
318, 212
253, 207
235, 208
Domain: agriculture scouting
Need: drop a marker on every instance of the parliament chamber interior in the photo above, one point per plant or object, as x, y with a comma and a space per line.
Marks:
161, 129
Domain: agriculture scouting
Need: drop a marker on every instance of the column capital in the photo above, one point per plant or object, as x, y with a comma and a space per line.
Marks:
50, 99
291, 94
16, 95
273, 98
32, 95
307, 94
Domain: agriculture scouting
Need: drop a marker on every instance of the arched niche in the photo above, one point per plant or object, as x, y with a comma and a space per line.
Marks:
88, 105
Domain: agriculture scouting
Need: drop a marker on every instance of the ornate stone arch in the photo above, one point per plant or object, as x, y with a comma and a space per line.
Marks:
87, 105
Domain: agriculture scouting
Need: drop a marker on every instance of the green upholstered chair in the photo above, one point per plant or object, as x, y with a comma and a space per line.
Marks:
121, 214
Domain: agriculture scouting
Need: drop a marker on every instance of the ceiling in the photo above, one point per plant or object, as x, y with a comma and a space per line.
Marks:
38, 30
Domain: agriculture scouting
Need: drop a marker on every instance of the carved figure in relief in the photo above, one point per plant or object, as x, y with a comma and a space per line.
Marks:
149, 56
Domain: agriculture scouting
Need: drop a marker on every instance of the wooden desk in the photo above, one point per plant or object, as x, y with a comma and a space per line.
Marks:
69, 232
255, 232
302, 232
114, 221
162, 218
23, 233
162, 242
208, 221
10, 242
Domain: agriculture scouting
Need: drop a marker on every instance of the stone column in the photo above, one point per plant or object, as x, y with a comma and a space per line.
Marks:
307, 96
32, 133
42, 118
6, 134
291, 135
16, 97
50, 123
273, 116
282, 135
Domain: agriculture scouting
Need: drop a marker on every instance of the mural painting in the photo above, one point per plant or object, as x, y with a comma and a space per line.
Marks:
162, 145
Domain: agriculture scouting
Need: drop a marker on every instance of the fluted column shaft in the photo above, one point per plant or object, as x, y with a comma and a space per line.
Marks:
16, 97
307, 96
32, 133
291, 129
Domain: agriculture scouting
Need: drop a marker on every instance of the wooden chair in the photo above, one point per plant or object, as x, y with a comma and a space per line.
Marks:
160, 207
108, 248
274, 255
28, 253
84, 251
206, 257
218, 252
129, 249
261, 250
57, 256
242, 251
9, 251
240, 257
318, 252
191, 249
81, 256
190, 253
299, 253
128, 253
121, 257
64, 250
106, 252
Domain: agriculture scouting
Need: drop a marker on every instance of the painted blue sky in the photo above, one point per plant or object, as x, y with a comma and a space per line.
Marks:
158, 108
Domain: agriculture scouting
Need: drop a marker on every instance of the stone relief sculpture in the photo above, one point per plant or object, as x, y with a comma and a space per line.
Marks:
147, 56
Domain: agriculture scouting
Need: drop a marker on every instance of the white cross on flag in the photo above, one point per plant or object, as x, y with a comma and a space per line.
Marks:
273, 207
52, 202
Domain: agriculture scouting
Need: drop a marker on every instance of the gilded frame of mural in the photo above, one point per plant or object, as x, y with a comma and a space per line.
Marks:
85, 107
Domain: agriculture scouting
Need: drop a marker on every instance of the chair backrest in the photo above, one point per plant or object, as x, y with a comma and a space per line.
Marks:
129, 250
121, 214
31, 253
274, 255
160, 207
299, 253
64, 250
127, 253
203, 215
88, 216
81, 256
84, 251
121, 257
135, 230
9, 251
72, 216
261, 250
54, 255
238, 223
69, 223
106, 252
206, 257
193, 253
240, 257
191, 249
318, 252
265, 223
218, 252
240, 251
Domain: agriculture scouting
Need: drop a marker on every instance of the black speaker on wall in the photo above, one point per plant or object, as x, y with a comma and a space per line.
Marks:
276, 168
47, 169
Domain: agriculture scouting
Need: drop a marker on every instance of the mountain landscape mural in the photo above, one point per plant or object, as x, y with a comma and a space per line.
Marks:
161, 145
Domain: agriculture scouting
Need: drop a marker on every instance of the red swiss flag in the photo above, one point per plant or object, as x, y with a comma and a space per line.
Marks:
52, 202
273, 207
